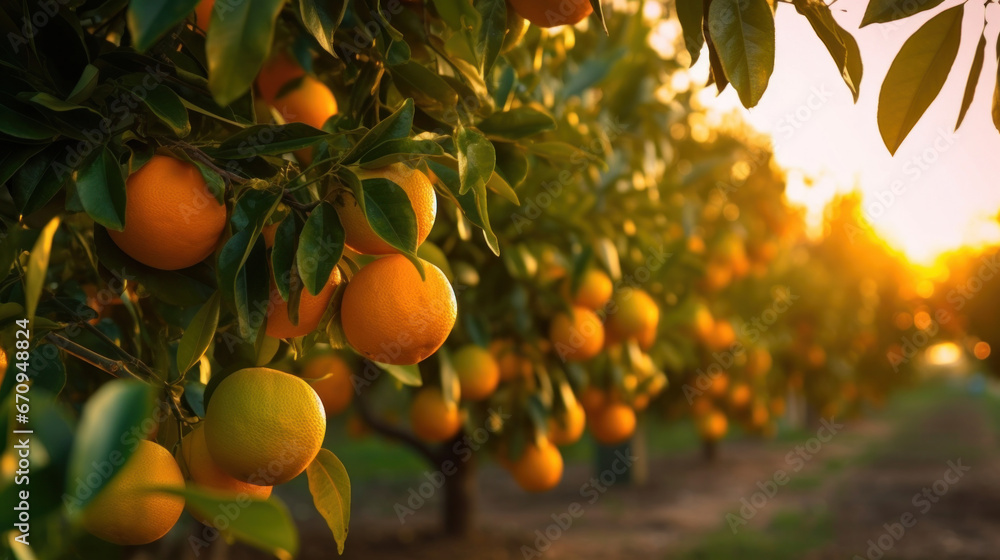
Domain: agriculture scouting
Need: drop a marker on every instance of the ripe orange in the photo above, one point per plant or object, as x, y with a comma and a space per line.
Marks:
512, 364
578, 337
539, 468
593, 399
172, 221
594, 291
569, 428
634, 316
612, 424
703, 323
433, 419
193, 456
758, 362
723, 336
418, 188
740, 395
311, 310
550, 13
260, 420
393, 316
719, 384
713, 426
310, 102
478, 373
276, 72
126, 511
203, 14
336, 390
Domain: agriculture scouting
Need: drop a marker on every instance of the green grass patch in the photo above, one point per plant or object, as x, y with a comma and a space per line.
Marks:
788, 536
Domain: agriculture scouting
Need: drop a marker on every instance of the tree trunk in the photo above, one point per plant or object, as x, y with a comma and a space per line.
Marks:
460, 497
709, 450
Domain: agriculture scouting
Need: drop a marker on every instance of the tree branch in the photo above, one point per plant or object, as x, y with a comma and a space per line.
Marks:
116, 368
393, 432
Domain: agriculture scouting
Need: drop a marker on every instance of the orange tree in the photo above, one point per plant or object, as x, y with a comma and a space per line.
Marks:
195, 191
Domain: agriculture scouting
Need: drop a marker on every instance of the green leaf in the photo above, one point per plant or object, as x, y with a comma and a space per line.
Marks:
198, 335
397, 125
743, 33
917, 74
717, 74
148, 20
168, 107
389, 213
399, 150
476, 158
472, 203
110, 429
19, 125
322, 18
883, 11
238, 43
841, 45
516, 123
995, 108
970, 86
213, 182
252, 292
286, 239
320, 247
267, 139
599, 10
38, 266
331, 491
263, 524
84, 85
430, 90
407, 375
493, 27
689, 13
101, 188
38, 180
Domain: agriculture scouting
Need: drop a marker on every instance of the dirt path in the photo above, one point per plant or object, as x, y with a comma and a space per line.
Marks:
951, 453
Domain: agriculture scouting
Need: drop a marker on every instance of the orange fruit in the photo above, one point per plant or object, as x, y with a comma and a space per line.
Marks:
703, 323
723, 336
478, 373
739, 395
635, 315
539, 468
578, 337
612, 424
193, 456
718, 385
276, 72
172, 221
759, 362
434, 420
262, 420
594, 291
713, 426
126, 511
203, 14
393, 316
512, 364
550, 13
718, 275
311, 310
360, 236
335, 387
593, 399
310, 102
568, 428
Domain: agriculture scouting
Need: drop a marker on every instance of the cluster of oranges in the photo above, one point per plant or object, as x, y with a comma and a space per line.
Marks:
263, 427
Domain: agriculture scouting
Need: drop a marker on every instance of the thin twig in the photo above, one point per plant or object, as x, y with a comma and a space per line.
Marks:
393, 432
116, 368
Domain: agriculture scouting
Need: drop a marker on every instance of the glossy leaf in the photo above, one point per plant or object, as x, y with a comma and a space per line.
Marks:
101, 188
476, 158
493, 27
109, 431
390, 214
407, 375
917, 74
689, 13
330, 487
148, 20
267, 139
320, 247
238, 42
38, 266
322, 18
839, 43
395, 126
198, 335
970, 86
883, 11
286, 239
743, 34
168, 108
516, 123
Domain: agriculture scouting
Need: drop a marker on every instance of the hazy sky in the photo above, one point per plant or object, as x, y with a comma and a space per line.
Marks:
950, 181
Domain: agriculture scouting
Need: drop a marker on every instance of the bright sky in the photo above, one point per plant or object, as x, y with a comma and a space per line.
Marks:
948, 180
